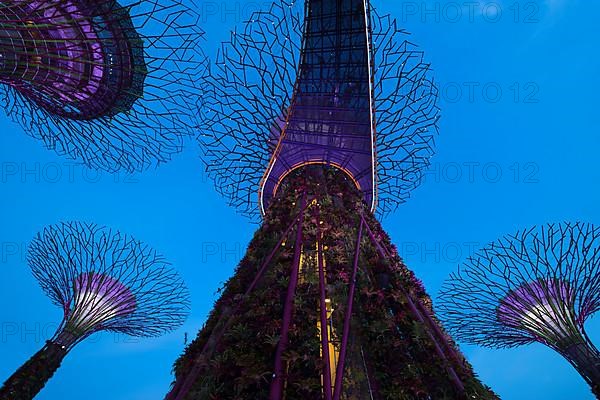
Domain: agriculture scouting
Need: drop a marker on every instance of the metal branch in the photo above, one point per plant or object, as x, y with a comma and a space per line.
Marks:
538, 285
103, 281
116, 87
276, 391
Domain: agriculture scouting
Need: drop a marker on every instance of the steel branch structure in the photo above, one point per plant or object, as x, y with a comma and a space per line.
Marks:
321, 114
538, 285
269, 110
103, 281
116, 86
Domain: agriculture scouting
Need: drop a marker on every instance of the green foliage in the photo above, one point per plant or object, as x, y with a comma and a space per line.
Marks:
390, 351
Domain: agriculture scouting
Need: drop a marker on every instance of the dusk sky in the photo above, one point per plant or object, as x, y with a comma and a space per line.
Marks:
519, 83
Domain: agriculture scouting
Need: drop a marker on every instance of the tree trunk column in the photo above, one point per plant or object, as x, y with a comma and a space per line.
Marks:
31, 378
585, 357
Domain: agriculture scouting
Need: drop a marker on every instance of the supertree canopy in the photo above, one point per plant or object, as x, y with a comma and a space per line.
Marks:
114, 85
268, 112
321, 113
103, 281
538, 285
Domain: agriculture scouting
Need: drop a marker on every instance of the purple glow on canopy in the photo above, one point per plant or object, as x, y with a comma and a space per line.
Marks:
75, 59
98, 299
110, 291
536, 306
331, 83
331, 118
536, 285
89, 45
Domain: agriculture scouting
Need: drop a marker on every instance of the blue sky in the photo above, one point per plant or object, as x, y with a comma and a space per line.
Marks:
518, 150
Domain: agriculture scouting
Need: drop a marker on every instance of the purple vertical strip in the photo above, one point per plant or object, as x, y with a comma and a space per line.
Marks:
419, 308
277, 383
297, 220
337, 392
183, 386
323, 306
451, 351
382, 252
438, 349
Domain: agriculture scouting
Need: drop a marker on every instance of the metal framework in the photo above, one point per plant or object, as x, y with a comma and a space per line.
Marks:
538, 285
319, 82
103, 281
116, 86
320, 113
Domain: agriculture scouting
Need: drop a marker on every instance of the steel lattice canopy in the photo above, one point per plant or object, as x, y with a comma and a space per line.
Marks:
80, 60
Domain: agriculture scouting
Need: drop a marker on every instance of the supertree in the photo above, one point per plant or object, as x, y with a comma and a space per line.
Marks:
250, 139
321, 113
103, 281
116, 86
538, 285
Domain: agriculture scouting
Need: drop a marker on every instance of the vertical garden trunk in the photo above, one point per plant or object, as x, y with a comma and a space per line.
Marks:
585, 357
357, 311
32, 376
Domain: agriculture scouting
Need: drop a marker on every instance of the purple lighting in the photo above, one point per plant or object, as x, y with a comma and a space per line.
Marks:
78, 60
538, 285
103, 281
115, 85
331, 119
534, 308
98, 299
319, 82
